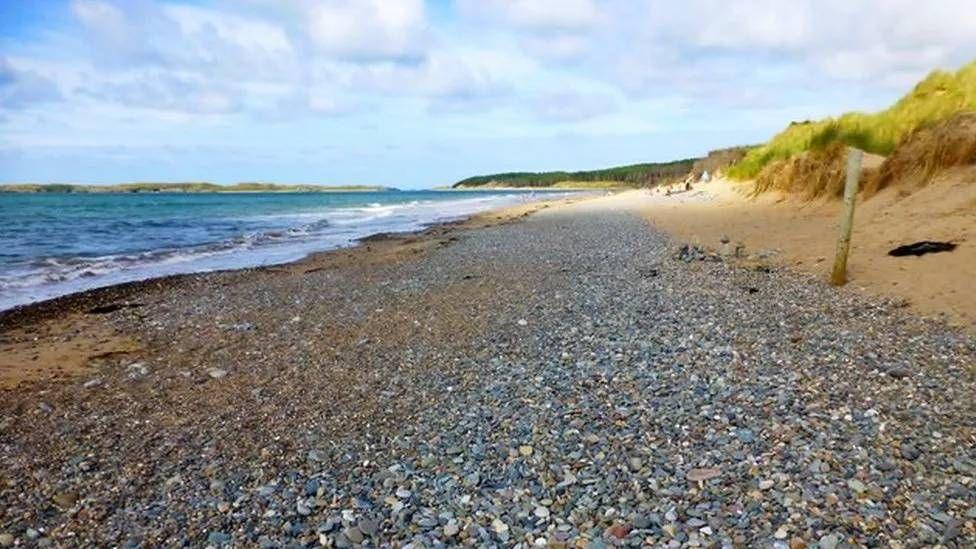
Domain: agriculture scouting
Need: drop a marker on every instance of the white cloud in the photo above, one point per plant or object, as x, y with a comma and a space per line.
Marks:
20, 88
544, 15
369, 30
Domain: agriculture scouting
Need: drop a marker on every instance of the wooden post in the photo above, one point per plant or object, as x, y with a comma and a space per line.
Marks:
839, 275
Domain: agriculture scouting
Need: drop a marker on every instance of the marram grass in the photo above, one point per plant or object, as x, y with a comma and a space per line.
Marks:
940, 96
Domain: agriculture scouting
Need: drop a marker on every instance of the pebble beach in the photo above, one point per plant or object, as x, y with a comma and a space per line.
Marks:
568, 378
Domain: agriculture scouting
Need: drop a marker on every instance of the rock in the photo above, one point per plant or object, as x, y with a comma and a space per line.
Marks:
952, 531
451, 529
523, 322
541, 512
499, 526
781, 533
92, 383
137, 370
472, 480
6, 540
354, 534
217, 373
830, 541
619, 531
701, 475
899, 372
368, 527
65, 500
218, 538
766, 484
909, 451
526, 451
745, 435
797, 543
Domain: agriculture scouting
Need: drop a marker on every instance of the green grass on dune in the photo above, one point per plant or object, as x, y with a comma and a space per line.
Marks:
941, 95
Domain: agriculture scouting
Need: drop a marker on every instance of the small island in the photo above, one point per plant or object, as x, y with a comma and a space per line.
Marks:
196, 187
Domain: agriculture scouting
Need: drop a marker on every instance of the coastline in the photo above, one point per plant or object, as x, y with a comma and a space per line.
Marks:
77, 318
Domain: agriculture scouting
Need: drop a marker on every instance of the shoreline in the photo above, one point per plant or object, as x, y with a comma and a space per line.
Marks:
84, 310
44, 291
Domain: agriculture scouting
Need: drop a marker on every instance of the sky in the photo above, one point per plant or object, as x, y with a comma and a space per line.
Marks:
414, 93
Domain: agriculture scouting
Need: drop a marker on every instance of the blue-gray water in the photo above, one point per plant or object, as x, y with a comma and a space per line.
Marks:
54, 244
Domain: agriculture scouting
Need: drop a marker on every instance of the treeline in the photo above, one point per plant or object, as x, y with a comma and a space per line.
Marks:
634, 175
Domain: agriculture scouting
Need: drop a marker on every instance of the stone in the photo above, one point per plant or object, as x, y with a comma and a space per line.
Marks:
526, 451
899, 372
217, 373
6, 540
451, 529
766, 484
541, 512
745, 435
781, 533
701, 475
619, 531
354, 534
830, 541
909, 451
137, 370
856, 486
218, 538
65, 499
368, 527
92, 383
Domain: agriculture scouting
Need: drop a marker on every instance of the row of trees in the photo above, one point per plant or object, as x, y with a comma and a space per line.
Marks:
635, 175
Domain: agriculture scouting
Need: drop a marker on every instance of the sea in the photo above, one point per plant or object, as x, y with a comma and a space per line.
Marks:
53, 244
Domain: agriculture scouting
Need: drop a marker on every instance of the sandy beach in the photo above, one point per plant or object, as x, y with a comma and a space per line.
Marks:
802, 234
558, 375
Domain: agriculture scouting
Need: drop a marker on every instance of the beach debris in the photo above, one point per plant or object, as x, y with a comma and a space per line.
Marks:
921, 248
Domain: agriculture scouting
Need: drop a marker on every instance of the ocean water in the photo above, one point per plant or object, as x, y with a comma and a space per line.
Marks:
56, 244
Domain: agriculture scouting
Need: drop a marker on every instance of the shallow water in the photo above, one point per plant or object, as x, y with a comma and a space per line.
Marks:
55, 244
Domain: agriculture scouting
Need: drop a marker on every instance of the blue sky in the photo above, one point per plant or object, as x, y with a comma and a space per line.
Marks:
415, 94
